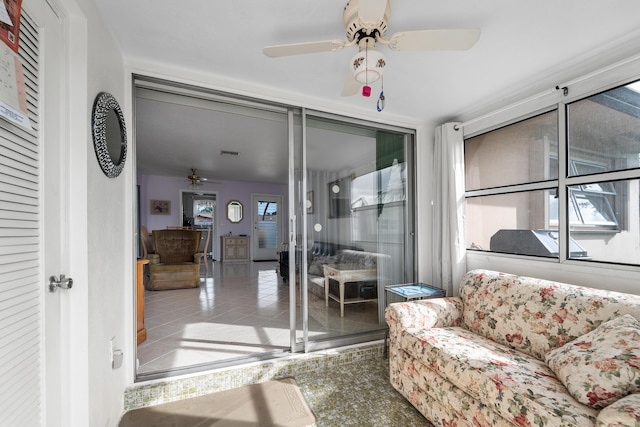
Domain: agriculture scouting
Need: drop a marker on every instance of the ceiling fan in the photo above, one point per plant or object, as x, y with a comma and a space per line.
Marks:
196, 180
366, 23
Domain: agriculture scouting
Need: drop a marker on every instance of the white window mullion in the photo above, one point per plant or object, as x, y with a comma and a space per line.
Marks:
563, 192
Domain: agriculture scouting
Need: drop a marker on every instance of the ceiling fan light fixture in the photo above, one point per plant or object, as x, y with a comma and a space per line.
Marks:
368, 65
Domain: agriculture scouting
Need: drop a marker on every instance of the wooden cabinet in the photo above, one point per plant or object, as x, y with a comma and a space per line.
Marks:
142, 331
234, 248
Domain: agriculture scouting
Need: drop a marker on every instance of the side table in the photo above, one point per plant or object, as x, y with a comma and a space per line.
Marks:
408, 292
411, 291
141, 330
343, 273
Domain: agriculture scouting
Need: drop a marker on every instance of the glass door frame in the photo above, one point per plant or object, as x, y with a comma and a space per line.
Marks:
297, 227
271, 252
296, 149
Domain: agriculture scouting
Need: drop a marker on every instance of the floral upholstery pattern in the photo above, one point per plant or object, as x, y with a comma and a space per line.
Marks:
425, 313
602, 366
491, 372
478, 359
624, 412
436, 398
535, 315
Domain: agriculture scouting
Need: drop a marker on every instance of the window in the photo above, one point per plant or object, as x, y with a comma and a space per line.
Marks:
515, 183
513, 154
372, 194
590, 205
510, 181
203, 211
501, 223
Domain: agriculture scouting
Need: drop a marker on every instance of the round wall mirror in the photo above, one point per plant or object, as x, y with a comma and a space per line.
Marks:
109, 134
234, 211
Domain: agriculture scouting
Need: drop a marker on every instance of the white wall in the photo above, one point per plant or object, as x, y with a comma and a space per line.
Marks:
100, 218
155, 187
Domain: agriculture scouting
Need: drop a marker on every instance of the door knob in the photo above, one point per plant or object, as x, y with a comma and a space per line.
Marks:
63, 282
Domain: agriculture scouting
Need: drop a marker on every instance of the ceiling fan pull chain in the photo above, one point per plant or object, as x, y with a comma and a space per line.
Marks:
366, 65
380, 104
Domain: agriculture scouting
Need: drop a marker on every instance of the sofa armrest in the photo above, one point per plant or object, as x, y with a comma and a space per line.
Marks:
197, 257
623, 412
423, 314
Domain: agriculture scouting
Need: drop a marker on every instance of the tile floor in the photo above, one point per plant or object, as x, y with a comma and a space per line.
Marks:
240, 310
357, 393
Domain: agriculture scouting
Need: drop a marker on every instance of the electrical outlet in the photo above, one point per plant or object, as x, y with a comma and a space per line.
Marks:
115, 355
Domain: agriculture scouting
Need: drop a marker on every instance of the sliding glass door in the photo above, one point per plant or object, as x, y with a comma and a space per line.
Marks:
353, 210
332, 196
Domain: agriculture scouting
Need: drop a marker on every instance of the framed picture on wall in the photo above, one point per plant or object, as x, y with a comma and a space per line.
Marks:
160, 207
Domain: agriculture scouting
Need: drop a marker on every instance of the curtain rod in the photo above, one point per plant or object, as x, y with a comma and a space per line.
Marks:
564, 87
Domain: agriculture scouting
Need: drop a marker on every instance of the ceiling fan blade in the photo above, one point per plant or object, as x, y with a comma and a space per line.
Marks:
371, 10
434, 40
350, 86
301, 48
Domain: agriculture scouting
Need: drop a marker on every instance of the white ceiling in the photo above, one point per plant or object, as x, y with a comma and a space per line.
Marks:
524, 45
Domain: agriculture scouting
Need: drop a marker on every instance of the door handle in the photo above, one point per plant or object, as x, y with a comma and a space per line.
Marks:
63, 282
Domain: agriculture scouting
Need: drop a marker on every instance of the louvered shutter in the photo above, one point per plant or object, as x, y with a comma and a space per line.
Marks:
20, 287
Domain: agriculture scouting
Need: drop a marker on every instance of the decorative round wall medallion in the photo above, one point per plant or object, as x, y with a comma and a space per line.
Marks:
109, 134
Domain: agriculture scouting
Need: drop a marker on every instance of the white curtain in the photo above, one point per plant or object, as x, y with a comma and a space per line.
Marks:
448, 208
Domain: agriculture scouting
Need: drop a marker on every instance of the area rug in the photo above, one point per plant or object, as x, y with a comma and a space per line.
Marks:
276, 403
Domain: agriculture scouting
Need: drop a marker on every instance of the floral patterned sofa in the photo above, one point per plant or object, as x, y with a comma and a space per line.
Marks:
520, 351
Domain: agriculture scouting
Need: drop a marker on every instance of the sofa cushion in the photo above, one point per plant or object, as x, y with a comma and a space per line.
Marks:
519, 387
317, 264
359, 259
176, 246
437, 398
328, 249
624, 412
534, 315
603, 365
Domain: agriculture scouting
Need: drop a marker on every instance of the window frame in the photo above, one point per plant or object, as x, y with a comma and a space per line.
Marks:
610, 199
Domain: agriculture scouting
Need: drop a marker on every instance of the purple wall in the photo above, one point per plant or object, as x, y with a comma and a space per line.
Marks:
155, 187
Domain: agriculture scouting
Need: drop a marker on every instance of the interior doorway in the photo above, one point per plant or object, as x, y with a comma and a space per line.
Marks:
267, 228
199, 209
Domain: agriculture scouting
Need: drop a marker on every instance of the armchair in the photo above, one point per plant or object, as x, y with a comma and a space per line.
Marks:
178, 263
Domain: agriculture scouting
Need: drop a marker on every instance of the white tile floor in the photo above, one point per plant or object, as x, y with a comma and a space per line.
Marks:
240, 309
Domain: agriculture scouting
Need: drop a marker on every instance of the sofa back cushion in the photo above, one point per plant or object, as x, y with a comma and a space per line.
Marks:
176, 246
327, 249
360, 259
535, 315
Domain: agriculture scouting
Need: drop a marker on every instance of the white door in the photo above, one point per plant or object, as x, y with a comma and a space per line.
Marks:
267, 228
32, 236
